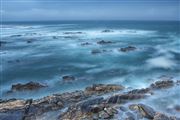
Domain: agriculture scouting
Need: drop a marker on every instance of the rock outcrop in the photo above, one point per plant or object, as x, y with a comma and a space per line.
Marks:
26, 86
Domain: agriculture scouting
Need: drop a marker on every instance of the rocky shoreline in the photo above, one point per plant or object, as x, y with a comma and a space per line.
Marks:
88, 104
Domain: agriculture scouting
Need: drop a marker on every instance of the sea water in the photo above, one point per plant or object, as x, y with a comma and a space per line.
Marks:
53, 53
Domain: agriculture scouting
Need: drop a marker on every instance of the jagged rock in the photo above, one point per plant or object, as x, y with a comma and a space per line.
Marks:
68, 78
127, 49
162, 84
103, 42
144, 110
101, 88
27, 86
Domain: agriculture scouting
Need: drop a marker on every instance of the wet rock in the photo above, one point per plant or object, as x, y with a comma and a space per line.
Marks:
111, 111
102, 42
86, 43
27, 86
116, 99
49, 103
68, 78
87, 106
104, 115
102, 88
160, 116
96, 51
144, 110
162, 84
11, 104
127, 49
139, 91
106, 31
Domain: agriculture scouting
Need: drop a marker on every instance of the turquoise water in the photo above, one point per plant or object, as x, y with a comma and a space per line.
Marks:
53, 54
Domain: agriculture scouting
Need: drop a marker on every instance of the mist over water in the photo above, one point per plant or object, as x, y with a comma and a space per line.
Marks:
55, 50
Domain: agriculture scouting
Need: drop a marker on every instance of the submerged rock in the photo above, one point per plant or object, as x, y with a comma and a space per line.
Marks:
73, 32
127, 49
55, 37
27, 86
106, 31
102, 42
86, 43
2, 43
68, 78
96, 51
15, 35
162, 84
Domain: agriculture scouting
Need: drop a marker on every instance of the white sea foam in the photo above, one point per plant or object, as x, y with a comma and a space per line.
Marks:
119, 32
161, 62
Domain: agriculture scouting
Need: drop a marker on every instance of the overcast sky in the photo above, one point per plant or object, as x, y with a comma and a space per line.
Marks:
37, 10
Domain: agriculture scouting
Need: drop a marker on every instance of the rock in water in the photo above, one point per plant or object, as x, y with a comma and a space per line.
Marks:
144, 110
106, 31
127, 49
68, 78
102, 42
160, 116
96, 51
162, 84
27, 86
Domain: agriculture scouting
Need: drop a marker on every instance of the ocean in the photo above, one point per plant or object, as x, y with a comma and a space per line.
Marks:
44, 52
